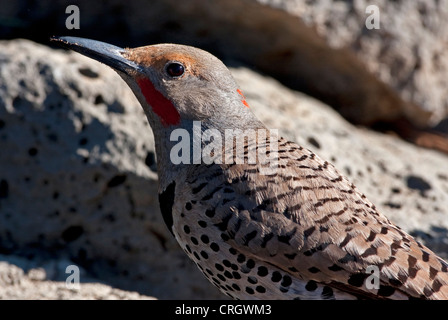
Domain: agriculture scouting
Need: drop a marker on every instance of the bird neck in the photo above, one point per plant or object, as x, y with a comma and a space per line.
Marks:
197, 143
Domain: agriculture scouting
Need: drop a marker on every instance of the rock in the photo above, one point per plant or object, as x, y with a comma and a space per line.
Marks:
16, 284
407, 52
78, 181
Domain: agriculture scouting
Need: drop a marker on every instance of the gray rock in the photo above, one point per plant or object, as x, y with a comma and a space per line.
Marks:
408, 52
78, 181
16, 284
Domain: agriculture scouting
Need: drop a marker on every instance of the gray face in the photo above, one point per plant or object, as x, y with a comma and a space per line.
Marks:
198, 84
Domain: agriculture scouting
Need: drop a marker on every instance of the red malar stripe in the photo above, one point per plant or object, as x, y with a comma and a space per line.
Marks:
160, 105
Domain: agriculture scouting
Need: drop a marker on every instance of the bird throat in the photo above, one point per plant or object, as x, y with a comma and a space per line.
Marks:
161, 106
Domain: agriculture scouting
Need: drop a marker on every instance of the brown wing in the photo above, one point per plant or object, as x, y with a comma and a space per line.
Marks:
309, 220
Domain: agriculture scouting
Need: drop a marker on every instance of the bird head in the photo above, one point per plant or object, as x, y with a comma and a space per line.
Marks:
175, 84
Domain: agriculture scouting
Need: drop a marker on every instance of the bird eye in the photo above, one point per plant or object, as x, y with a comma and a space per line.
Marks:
175, 69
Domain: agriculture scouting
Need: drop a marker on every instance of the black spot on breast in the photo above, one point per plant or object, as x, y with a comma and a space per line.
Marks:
225, 237
276, 276
287, 281
166, 201
214, 247
226, 263
210, 212
311, 285
262, 271
252, 280
249, 290
250, 263
357, 279
327, 292
205, 239
385, 291
219, 267
260, 289
245, 269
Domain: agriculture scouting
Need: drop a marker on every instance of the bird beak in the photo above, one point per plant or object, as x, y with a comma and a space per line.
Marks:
108, 54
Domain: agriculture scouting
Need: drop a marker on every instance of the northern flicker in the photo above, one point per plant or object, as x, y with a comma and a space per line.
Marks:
299, 231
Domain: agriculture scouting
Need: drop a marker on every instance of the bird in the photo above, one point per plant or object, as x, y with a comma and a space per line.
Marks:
289, 227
